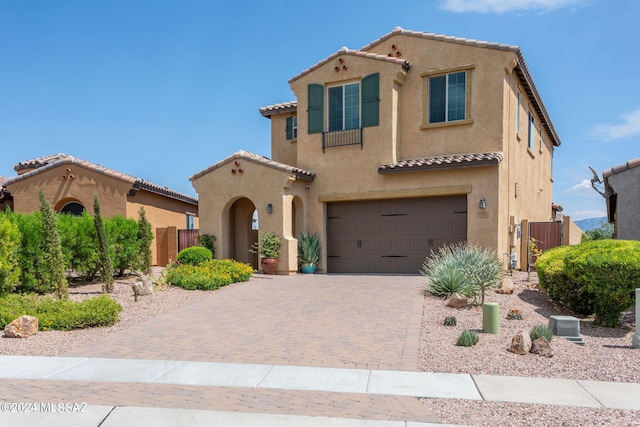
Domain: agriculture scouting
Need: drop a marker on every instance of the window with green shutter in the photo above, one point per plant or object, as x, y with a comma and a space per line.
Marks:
292, 127
371, 100
315, 110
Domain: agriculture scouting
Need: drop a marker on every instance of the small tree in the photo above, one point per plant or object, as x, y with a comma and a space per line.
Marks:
54, 261
145, 237
106, 269
208, 241
9, 247
601, 232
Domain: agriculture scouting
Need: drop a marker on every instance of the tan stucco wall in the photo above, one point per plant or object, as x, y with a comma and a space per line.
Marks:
572, 233
627, 219
282, 149
59, 191
220, 189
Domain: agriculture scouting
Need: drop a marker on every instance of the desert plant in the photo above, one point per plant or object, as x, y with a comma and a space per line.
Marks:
534, 252
145, 237
467, 338
124, 250
450, 321
463, 268
268, 246
514, 314
541, 331
208, 241
9, 247
194, 255
54, 260
106, 268
309, 248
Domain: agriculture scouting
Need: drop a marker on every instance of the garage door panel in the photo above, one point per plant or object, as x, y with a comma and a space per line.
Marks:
392, 236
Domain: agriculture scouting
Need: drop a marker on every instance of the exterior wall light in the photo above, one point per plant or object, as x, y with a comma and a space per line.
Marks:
482, 204
269, 208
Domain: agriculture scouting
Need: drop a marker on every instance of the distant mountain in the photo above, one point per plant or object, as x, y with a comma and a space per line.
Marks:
590, 223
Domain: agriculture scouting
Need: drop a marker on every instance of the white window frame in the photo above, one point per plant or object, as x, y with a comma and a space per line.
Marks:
328, 105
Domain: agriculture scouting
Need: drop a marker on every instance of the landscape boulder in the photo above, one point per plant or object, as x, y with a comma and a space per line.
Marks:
506, 286
521, 343
22, 327
541, 347
457, 301
145, 287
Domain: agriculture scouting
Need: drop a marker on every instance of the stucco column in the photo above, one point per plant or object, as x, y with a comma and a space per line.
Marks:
288, 261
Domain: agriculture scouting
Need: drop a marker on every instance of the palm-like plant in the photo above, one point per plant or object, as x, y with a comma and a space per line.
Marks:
309, 248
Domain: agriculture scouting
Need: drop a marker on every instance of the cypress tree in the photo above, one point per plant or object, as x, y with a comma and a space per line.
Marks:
53, 259
144, 240
106, 269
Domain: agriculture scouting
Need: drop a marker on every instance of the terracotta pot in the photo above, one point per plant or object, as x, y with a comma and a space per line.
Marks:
269, 265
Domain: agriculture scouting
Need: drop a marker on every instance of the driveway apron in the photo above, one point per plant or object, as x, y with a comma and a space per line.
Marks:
341, 321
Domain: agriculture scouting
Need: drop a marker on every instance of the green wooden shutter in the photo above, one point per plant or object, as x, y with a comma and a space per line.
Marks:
289, 128
371, 100
315, 112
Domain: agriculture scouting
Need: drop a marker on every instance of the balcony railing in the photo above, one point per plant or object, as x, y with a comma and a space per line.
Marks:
339, 138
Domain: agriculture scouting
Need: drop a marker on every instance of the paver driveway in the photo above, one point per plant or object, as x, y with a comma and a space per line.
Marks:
344, 321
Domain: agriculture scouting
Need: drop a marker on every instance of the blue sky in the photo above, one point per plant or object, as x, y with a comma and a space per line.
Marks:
162, 89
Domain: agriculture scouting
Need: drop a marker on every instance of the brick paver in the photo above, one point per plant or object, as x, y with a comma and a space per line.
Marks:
237, 399
343, 321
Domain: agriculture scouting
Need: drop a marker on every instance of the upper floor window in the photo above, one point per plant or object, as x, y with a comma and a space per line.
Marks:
344, 107
292, 127
348, 106
518, 115
448, 97
532, 132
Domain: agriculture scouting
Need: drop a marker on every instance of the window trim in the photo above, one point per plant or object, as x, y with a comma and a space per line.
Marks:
531, 132
468, 68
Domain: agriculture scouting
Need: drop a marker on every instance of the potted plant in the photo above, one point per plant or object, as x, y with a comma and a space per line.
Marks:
269, 250
309, 250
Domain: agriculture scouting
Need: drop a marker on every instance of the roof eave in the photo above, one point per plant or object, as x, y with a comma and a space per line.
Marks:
443, 166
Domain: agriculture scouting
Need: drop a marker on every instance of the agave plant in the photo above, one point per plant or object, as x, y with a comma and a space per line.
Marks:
309, 248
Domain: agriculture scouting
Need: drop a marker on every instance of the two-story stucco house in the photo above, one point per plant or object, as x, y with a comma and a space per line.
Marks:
389, 152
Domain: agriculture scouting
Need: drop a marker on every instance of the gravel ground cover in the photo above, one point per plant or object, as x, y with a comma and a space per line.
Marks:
606, 356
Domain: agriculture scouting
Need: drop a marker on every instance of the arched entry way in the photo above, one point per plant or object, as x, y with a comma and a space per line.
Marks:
241, 233
73, 208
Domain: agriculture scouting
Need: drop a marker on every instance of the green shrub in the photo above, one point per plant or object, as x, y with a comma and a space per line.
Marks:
514, 314
194, 255
541, 331
467, 338
463, 268
122, 235
209, 275
9, 247
553, 279
60, 314
79, 244
450, 321
609, 272
53, 266
208, 241
31, 254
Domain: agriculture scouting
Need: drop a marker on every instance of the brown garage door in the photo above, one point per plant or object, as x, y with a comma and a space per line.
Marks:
392, 236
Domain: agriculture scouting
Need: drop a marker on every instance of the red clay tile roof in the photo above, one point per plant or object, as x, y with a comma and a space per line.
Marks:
284, 107
621, 168
443, 162
256, 158
42, 164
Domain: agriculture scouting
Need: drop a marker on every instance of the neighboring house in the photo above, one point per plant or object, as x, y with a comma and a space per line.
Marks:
389, 152
70, 184
6, 202
622, 191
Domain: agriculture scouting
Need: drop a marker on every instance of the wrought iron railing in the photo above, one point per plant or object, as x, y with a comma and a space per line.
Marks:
339, 138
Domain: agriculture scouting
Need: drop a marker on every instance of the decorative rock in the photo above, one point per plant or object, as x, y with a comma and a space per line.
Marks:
541, 347
457, 301
143, 288
22, 327
520, 344
506, 286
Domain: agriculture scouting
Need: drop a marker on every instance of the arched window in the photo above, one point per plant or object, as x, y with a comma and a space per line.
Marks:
73, 208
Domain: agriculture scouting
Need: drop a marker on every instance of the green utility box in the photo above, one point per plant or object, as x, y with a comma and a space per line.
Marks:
491, 317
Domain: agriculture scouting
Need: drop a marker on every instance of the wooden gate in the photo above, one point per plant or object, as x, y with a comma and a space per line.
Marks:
546, 235
187, 238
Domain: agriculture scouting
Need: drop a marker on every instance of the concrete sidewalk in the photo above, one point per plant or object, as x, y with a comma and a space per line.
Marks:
61, 370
